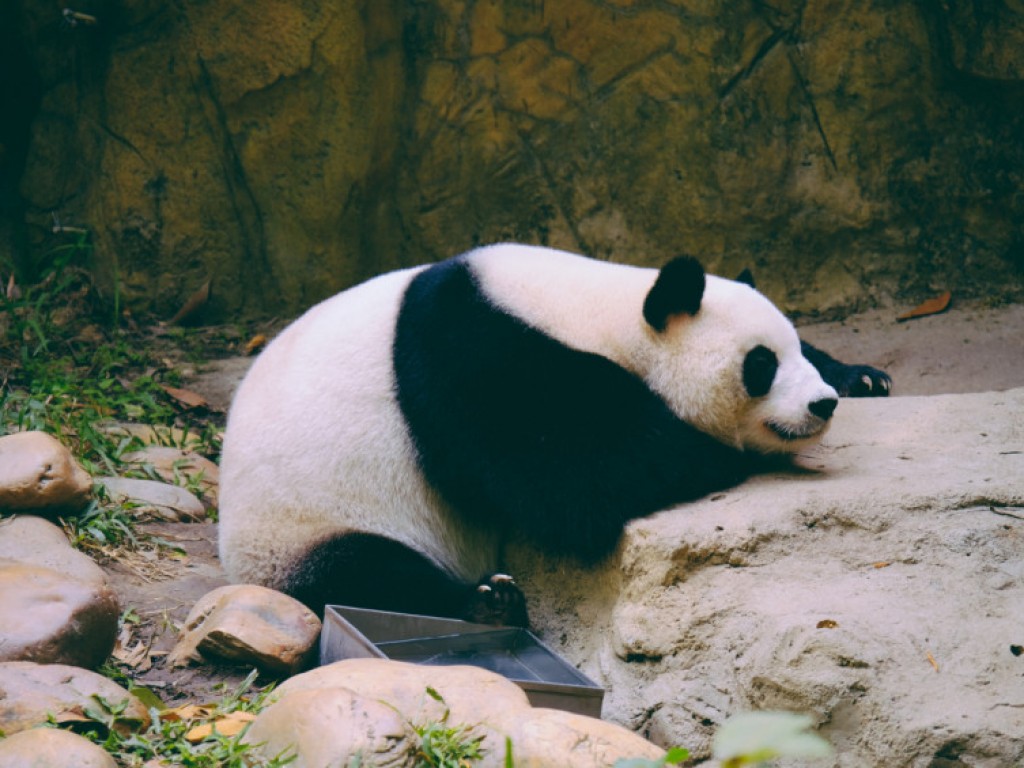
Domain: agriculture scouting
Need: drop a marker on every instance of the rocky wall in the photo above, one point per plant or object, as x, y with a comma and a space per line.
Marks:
849, 151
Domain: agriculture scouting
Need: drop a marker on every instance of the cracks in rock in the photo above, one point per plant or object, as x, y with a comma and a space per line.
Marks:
552, 186
786, 36
762, 52
809, 98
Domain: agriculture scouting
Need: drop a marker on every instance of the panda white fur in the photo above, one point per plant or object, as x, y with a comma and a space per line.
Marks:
385, 444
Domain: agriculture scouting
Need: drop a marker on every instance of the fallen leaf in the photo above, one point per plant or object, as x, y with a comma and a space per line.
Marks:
13, 291
881, 564
930, 307
931, 660
187, 712
229, 725
73, 715
193, 305
827, 624
186, 396
256, 343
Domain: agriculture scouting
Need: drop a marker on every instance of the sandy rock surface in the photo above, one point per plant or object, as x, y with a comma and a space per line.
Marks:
878, 586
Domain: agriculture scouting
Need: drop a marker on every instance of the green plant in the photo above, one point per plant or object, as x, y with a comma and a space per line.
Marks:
172, 735
445, 746
674, 756
103, 524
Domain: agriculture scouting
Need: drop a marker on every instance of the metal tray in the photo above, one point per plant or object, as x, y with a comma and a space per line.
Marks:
547, 679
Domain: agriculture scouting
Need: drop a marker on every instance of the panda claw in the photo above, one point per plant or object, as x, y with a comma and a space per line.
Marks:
497, 600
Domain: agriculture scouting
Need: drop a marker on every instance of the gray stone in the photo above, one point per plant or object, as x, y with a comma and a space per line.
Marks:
29, 693
176, 464
52, 748
250, 624
38, 474
877, 586
160, 500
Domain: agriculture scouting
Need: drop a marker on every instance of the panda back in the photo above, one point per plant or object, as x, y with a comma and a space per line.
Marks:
522, 432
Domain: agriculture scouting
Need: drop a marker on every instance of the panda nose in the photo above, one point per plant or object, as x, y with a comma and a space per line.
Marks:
823, 408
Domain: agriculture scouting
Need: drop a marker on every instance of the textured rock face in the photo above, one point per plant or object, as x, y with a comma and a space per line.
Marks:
847, 151
879, 590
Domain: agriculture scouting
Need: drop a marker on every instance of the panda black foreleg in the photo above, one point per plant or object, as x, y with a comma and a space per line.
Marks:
848, 380
365, 570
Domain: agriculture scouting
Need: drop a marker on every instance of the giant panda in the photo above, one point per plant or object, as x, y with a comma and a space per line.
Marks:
383, 447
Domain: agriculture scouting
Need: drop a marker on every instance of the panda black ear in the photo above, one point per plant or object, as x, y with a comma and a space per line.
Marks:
678, 289
746, 277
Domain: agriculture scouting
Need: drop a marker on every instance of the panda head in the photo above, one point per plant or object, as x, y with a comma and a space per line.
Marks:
728, 361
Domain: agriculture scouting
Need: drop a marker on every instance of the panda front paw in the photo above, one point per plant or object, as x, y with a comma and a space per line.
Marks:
863, 381
497, 600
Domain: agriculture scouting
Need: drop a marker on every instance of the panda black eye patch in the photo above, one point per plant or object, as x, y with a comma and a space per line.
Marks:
759, 368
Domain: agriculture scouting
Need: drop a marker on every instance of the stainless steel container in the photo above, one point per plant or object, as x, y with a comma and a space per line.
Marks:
547, 679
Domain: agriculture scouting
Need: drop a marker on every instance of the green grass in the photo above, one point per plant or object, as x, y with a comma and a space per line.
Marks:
70, 368
174, 738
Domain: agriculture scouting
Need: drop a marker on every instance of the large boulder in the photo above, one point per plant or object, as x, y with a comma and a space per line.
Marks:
375, 706
877, 586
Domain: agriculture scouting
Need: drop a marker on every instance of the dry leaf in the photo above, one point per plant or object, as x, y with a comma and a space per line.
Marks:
930, 307
256, 343
230, 725
186, 397
931, 660
137, 658
881, 564
73, 715
13, 291
186, 712
827, 624
193, 305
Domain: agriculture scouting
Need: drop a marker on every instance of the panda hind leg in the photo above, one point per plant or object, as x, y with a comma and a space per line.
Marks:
365, 570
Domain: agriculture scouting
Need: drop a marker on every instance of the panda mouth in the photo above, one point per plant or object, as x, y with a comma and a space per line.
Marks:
789, 433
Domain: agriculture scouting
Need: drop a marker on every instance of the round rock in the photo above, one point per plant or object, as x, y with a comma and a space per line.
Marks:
73, 609
52, 748
29, 693
333, 726
38, 473
251, 624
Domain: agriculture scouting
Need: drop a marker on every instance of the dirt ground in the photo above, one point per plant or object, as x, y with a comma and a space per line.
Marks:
969, 348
